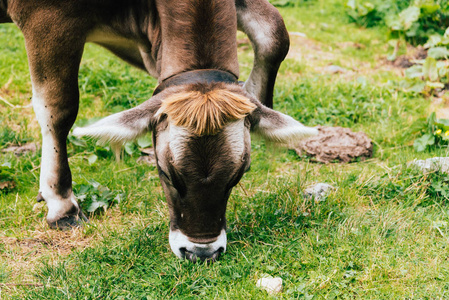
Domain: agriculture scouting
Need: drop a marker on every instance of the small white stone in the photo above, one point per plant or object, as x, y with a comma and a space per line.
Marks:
432, 164
318, 191
333, 69
273, 285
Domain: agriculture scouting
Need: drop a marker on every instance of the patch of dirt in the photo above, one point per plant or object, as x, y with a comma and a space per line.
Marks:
22, 254
243, 44
336, 144
345, 45
20, 150
25, 251
442, 112
440, 105
321, 58
147, 157
407, 60
302, 47
7, 185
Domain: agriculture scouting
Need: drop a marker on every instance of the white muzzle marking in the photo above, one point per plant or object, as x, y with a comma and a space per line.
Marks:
180, 245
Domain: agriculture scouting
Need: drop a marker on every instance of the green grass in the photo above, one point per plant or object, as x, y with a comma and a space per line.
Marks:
383, 234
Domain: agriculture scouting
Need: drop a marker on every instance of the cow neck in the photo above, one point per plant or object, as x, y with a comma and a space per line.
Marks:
196, 76
197, 35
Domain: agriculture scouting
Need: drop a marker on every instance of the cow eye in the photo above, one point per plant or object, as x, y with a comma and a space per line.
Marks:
165, 175
174, 180
237, 177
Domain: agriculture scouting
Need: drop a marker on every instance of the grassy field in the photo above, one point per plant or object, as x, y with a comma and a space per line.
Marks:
382, 234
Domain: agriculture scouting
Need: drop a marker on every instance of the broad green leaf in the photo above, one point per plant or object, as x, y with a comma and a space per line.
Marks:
421, 143
6, 164
414, 72
409, 16
417, 87
391, 57
393, 42
394, 23
438, 52
443, 70
144, 141
430, 69
414, 30
94, 183
131, 148
434, 85
351, 4
431, 119
76, 141
444, 40
92, 159
369, 5
429, 8
443, 124
96, 204
434, 40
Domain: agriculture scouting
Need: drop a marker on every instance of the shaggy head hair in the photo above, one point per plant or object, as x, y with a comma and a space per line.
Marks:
205, 110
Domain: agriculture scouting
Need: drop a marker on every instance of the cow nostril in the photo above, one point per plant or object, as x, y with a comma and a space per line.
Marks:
183, 251
191, 256
216, 255
196, 257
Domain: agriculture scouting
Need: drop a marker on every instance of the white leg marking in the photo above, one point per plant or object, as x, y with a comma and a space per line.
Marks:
57, 205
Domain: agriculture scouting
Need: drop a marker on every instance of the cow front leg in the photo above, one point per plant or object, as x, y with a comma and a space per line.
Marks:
54, 58
265, 28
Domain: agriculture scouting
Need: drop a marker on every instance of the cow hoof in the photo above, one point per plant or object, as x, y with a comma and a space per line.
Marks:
69, 222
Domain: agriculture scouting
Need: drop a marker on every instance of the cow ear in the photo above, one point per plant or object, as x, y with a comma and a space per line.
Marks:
124, 126
277, 127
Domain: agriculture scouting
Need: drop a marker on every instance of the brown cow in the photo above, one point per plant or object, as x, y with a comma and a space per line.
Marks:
200, 115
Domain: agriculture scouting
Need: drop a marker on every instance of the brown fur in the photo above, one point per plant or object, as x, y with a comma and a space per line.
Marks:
205, 112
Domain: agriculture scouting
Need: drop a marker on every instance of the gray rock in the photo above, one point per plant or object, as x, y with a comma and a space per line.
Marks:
432, 164
318, 191
333, 69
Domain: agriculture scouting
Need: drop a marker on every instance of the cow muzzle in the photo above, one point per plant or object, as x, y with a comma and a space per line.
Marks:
184, 248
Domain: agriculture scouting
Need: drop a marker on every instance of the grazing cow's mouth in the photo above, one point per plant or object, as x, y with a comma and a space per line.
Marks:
193, 257
197, 252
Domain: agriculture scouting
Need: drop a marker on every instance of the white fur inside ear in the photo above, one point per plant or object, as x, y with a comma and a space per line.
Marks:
290, 132
114, 130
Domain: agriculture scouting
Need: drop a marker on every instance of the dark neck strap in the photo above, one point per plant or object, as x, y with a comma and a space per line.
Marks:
196, 76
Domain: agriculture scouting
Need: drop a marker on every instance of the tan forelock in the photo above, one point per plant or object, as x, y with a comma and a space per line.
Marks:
206, 113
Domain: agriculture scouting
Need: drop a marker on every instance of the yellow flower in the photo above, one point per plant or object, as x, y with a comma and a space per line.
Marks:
446, 133
438, 131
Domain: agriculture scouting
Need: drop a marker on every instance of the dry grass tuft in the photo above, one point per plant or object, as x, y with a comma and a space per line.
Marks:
26, 250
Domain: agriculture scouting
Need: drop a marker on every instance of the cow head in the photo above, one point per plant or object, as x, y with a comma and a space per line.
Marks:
201, 137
